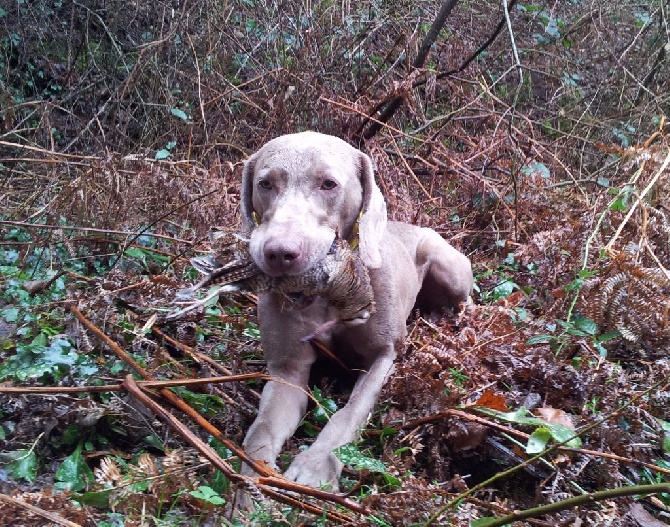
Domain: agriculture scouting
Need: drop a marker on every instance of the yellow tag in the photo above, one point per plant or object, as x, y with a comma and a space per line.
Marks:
353, 241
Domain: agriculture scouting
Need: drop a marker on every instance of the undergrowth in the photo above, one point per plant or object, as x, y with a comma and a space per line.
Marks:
544, 157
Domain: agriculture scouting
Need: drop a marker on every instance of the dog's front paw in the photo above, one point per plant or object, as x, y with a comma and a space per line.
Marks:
316, 470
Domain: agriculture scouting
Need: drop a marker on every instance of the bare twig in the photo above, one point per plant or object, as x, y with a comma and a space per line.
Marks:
480, 49
576, 501
35, 390
48, 515
428, 41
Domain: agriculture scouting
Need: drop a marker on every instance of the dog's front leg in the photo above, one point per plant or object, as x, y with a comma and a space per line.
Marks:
284, 399
283, 403
318, 466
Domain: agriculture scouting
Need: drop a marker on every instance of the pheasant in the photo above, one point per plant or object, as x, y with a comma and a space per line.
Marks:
341, 278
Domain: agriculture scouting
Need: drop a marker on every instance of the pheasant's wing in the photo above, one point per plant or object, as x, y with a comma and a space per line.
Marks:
204, 264
236, 276
232, 273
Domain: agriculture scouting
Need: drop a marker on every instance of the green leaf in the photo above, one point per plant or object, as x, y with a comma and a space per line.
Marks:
619, 204
504, 289
351, 456
610, 335
205, 403
536, 167
98, 499
666, 440
603, 181
162, 154
538, 440
74, 473
179, 113
208, 494
560, 433
325, 406
135, 252
10, 314
539, 339
40, 341
212, 301
23, 465
154, 441
621, 136
586, 325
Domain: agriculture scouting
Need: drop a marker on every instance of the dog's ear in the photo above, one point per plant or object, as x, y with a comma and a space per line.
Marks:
372, 223
247, 205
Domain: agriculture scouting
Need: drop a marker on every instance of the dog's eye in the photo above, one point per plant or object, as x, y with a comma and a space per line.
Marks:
328, 184
265, 184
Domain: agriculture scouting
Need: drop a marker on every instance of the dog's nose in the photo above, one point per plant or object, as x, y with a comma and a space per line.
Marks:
281, 256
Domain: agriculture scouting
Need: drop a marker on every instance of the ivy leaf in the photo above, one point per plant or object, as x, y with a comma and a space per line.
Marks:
98, 498
325, 406
74, 473
504, 289
351, 456
10, 314
23, 464
540, 168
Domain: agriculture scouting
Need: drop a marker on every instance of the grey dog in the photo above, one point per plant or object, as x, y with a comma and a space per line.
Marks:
299, 192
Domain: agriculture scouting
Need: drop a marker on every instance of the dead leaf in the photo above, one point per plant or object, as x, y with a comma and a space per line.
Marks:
490, 399
555, 416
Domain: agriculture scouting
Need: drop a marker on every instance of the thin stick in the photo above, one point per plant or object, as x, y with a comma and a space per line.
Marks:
35, 390
90, 229
51, 516
583, 499
653, 181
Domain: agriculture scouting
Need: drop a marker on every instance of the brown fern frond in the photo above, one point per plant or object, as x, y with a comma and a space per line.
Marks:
633, 299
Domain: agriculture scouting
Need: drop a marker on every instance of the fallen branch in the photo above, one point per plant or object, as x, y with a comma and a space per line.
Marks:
27, 390
576, 501
207, 451
269, 478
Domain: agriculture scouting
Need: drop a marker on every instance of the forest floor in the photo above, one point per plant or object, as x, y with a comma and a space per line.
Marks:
122, 139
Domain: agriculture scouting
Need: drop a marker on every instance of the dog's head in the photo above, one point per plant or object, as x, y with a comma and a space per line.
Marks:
298, 191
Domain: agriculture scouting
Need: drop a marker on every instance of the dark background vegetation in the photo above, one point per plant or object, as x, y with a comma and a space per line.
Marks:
541, 153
